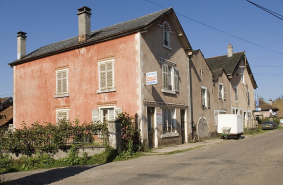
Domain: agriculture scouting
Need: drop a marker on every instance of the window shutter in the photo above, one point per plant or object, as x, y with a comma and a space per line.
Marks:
111, 114
109, 75
102, 83
117, 112
169, 79
64, 81
208, 99
176, 80
95, 115
59, 82
164, 76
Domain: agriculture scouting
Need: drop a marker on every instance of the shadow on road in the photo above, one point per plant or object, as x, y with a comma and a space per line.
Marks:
51, 176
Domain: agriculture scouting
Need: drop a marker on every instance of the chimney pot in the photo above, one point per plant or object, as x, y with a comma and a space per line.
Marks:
230, 50
84, 23
21, 45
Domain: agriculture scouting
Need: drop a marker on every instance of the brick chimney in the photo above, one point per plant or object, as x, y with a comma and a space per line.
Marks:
84, 23
21, 45
230, 50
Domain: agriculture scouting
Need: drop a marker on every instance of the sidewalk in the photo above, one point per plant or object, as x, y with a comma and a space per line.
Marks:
187, 146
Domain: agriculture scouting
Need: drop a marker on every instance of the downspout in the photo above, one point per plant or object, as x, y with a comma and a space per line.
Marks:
190, 54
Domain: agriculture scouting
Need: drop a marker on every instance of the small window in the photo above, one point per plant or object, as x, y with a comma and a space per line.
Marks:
106, 76
169, 121
204, 97
166, 34
62, 82
105, 114
170, 78
62, 114
248, 97
236, 93
243, 77
221, 92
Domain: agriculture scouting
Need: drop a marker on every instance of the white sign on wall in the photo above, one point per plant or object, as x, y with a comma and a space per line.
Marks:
151, 78
159, 118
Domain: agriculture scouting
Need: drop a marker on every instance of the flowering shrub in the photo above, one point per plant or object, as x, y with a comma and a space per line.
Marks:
49, 138
129, 133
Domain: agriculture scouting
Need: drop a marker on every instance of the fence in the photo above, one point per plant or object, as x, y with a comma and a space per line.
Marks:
46, 141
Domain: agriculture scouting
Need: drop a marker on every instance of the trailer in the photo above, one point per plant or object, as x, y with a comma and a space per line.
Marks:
232, 121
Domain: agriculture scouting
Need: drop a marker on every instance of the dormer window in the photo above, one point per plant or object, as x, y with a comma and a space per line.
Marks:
166, 35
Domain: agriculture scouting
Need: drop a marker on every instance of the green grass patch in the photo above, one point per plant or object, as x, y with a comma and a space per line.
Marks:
185, 150
45, 161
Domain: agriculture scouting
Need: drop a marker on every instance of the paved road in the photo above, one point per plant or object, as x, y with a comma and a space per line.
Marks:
254, 160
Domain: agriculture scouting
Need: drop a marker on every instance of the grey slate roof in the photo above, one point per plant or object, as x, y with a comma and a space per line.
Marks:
107, 32
227, 63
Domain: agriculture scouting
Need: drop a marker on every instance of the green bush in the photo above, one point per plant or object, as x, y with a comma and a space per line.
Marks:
49, 138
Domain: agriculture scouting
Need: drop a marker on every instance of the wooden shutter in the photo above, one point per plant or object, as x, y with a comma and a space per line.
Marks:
169, 78
176, 80
111, 114
64, 81
164, 76
95, 115
117, 111
102, 68
59, 82
109, 75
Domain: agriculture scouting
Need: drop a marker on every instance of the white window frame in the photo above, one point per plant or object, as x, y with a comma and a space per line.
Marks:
221, 92
62, 110
236, 93
205, 97
62, 94
100, 112
169, 129
238, 111
174, 73
112, 89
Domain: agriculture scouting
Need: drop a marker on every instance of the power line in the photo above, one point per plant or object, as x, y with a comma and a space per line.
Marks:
267, 10
267, 66
218, 29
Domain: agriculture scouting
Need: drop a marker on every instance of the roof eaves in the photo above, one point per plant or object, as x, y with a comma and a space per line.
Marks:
79, 45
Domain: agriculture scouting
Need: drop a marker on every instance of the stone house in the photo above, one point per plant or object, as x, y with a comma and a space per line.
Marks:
242, 83
138, 66
145, 67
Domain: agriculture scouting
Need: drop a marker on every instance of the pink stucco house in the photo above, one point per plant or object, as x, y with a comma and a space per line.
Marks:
145, 67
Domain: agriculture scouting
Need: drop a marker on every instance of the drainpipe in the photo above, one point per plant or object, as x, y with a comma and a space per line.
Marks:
190, 54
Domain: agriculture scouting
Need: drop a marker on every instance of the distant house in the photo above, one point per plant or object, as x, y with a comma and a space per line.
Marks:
279, 104
242, 83
6, 111
220, 85
266, 110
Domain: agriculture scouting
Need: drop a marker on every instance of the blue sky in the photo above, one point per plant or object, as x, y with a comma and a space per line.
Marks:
51, 20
